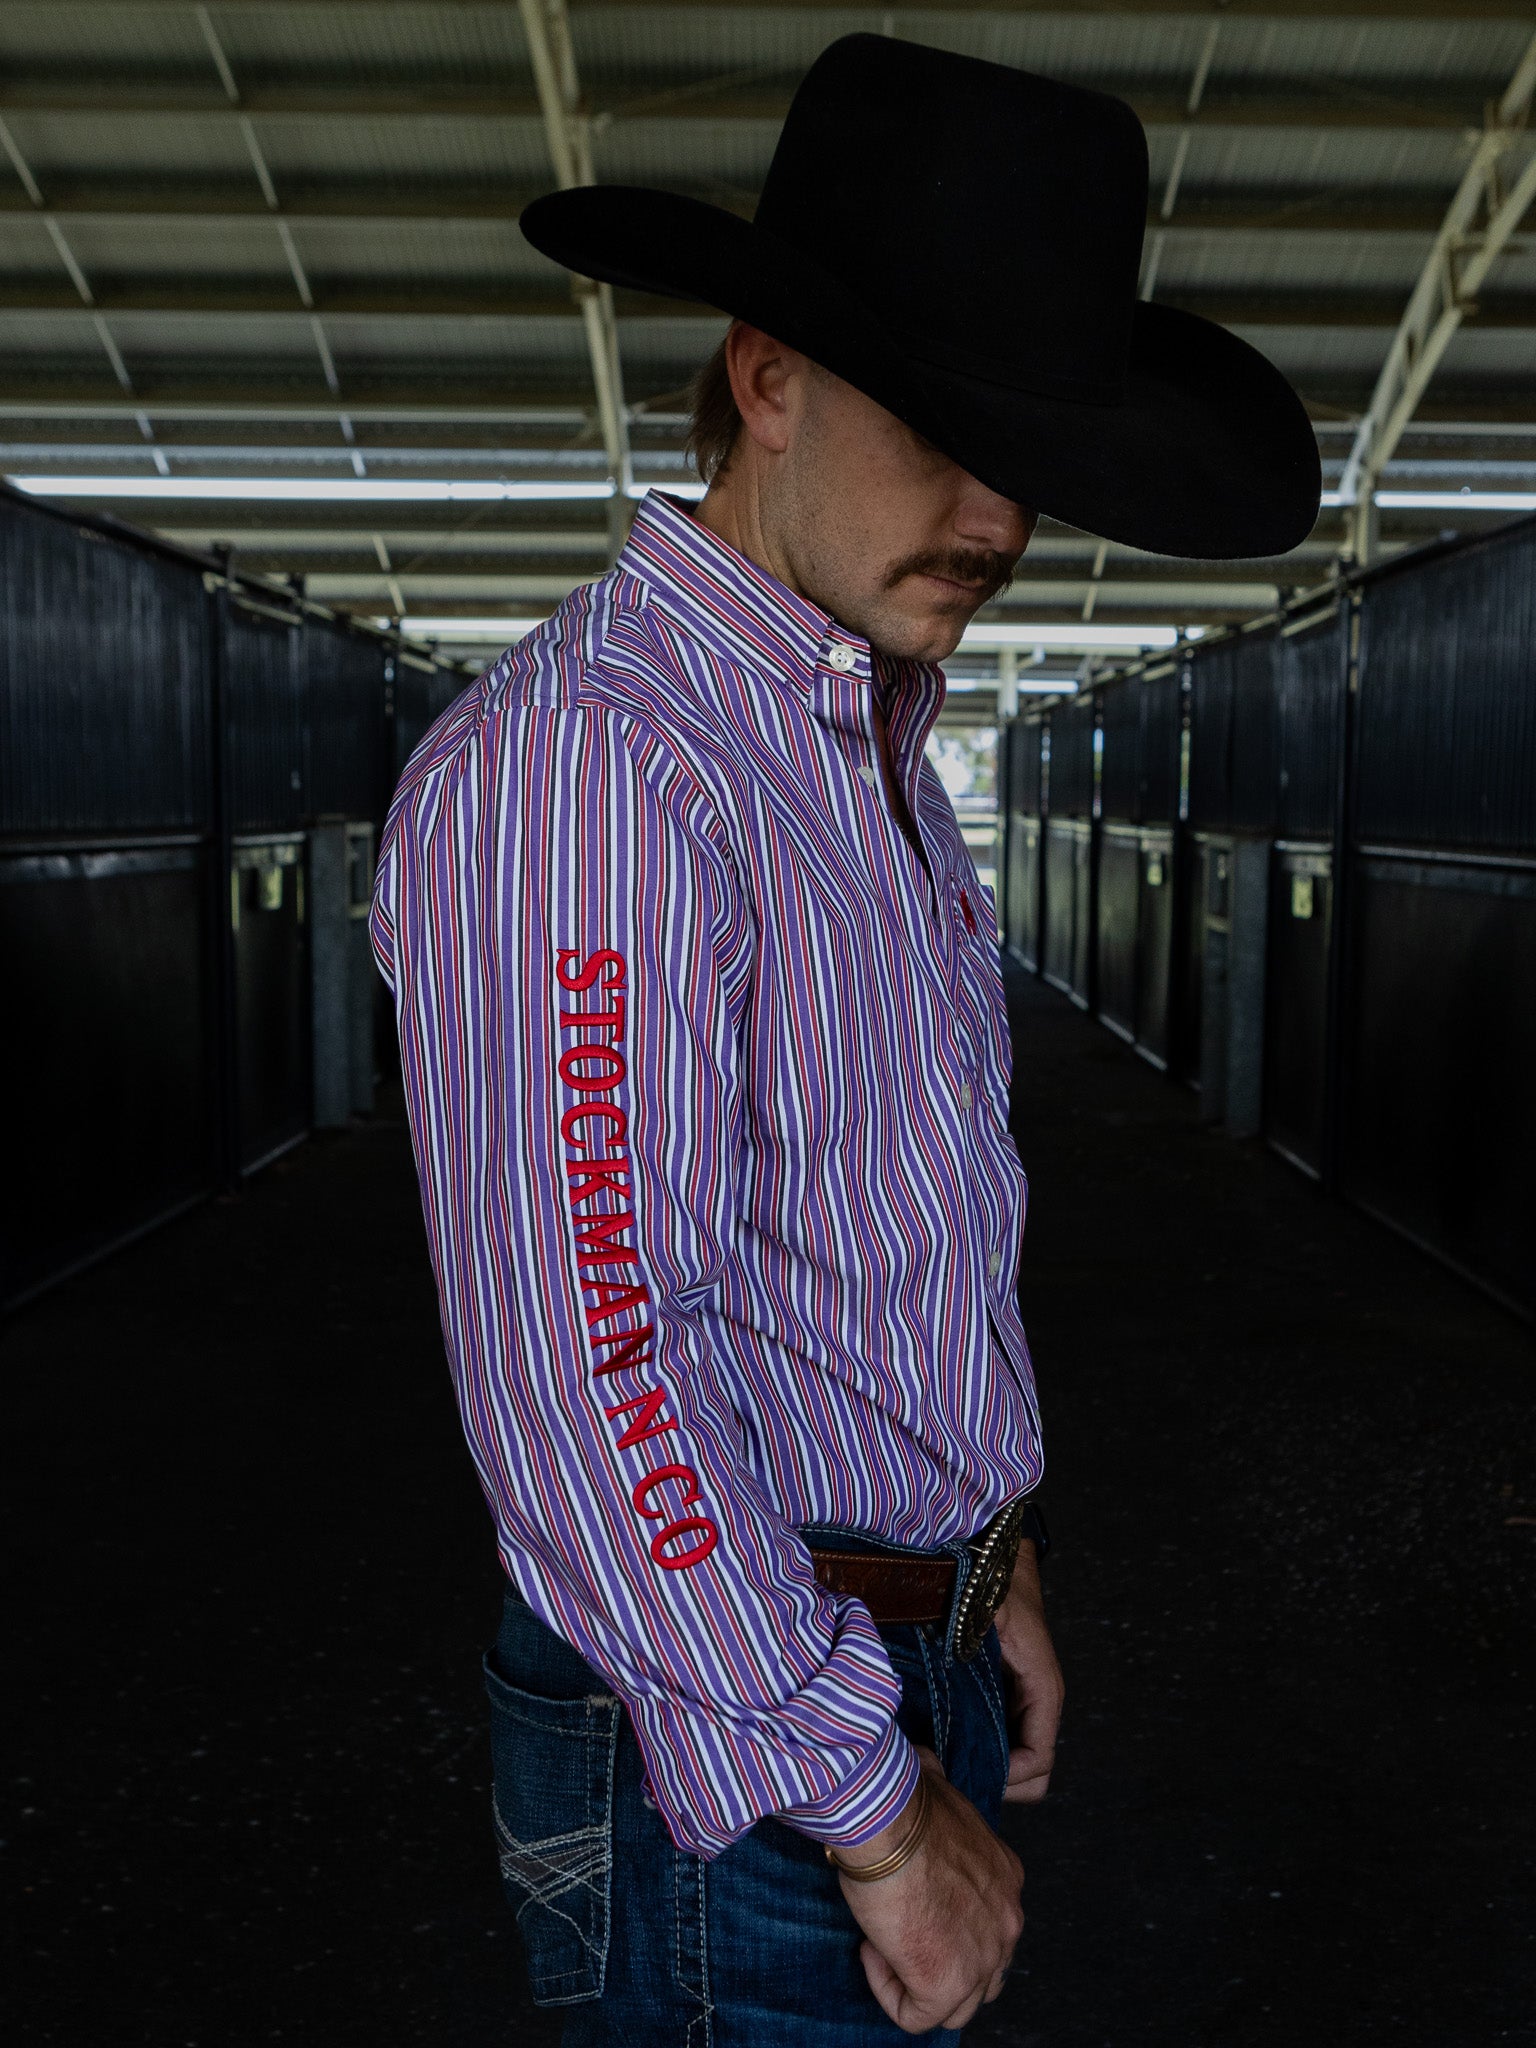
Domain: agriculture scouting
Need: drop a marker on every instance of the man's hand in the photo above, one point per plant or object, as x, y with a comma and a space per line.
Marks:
941, 1931
1034, 1682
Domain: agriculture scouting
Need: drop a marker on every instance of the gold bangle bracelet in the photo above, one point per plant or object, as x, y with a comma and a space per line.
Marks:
870, 1873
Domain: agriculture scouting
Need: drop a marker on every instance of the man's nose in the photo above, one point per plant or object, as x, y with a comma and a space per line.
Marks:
986, 520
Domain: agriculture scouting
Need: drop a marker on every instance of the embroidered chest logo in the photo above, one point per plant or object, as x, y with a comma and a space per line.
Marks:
595, 1131
967, 913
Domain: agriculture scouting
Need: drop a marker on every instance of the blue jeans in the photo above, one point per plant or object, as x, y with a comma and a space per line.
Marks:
649, 1947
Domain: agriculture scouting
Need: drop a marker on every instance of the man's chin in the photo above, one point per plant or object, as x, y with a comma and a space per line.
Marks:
927, 639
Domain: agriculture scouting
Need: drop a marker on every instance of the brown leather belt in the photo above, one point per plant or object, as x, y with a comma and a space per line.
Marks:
894, 1589
897, 1588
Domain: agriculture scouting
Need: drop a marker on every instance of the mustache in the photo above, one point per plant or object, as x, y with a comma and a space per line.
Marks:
983, 568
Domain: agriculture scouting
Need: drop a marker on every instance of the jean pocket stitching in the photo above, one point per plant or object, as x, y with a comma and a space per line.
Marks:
579, 1859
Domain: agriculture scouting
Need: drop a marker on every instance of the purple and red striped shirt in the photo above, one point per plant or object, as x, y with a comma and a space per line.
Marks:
707, 1078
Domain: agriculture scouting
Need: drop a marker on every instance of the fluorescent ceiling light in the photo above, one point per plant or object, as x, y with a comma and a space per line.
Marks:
1444, 501
331, 489
340, 490
1459, 501
1087, 639
502, 631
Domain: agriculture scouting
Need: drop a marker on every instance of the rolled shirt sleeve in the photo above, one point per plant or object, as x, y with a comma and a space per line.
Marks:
559, 919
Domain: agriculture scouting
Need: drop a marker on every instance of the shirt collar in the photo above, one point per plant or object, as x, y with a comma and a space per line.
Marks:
740, 611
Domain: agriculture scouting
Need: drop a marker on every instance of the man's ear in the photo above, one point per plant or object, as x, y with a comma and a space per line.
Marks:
766, 382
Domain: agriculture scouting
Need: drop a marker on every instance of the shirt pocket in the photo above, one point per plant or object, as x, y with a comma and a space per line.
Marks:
552, 1806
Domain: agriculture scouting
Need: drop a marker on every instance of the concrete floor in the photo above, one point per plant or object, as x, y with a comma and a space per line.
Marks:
1292, 1486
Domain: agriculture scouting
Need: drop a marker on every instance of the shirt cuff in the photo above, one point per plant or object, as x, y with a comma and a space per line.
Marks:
868, 1799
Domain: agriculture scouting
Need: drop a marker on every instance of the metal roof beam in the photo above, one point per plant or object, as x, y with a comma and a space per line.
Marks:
1300, 10
1339, 105
547, 27
122, 203
461, 299
1477, 225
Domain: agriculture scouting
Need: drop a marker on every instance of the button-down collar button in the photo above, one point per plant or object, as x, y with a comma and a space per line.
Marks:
841, 658
965, 1096
994, 1263
868, 774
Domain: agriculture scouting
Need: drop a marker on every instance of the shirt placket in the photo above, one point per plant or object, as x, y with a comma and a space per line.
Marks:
842, 699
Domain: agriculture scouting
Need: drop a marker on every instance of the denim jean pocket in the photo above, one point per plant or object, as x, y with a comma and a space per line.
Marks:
553, 1766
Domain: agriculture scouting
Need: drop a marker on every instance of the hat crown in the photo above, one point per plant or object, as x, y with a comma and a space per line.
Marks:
959, 200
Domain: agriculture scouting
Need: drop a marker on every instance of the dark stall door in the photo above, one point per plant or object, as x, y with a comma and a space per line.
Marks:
1296, 1001
1154, 946
1119, 920
107, 1117
1440, 1096
1023, 933
271, 996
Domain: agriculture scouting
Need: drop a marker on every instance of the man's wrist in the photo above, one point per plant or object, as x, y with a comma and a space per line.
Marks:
879, 1857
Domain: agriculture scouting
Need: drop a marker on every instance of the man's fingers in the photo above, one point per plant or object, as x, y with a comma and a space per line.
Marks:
883, 1980
994, 1989
966, 2012
1029, 1776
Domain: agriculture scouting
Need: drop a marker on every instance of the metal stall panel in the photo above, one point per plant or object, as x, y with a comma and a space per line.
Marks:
1439, 1096
1440, 1114
347, 684
1154, 944
1309, 684
103, 1040
1120, 759
1159, 745
1296, 1030
103, 673
272, 996
1021, 797
1119, 926
1446, 739
104, 911
1192, 883
1068, 933
1072, 759
1023, 932
264, 715
1212, 931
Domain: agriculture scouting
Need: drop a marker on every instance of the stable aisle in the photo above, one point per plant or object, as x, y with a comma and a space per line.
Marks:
1291, 1486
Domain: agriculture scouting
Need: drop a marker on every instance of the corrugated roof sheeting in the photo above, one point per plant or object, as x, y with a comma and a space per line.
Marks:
630, 46
411, 253
372, 43
63, 149
1311, 133
105, 38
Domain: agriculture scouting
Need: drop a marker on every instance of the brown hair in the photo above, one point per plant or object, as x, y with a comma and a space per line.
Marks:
714, 421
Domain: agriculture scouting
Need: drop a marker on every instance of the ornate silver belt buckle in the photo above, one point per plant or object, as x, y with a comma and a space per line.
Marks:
993, 1554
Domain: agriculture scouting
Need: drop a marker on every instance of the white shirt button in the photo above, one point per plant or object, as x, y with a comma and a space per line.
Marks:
841, 658
966, 1097
868, 775
994, 1263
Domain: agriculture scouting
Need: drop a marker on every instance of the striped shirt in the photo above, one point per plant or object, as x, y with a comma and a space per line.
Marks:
707, 1078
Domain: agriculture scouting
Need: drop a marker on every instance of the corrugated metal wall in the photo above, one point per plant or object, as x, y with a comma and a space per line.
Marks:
1309, 682
166, 737
1120, 768
1447, 747
1069, 792
1162, 722
103, 682
1396, 936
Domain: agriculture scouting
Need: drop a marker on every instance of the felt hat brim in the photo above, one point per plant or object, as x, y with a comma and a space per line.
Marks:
1208, 453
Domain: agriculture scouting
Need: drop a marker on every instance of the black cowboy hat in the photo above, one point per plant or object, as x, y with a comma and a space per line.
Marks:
962, 242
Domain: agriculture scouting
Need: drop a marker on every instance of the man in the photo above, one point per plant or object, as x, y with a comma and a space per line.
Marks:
706, 1063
